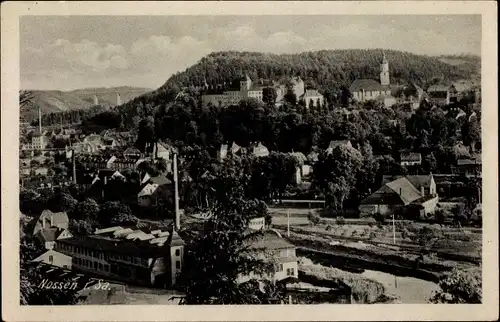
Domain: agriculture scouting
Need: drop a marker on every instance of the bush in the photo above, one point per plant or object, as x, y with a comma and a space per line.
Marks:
460, 287
313, 218
340, 221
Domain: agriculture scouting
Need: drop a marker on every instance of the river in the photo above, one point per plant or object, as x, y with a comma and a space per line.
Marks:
409, 290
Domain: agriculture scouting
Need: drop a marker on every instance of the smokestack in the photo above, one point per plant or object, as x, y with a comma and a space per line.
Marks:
96, 101
422, 190
40, 119
176, 195
118, 99
74, 166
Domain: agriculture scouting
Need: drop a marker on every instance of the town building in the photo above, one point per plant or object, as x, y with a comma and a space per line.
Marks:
49, 236
411, 159
335, 143
271, 246
258, 150
312, 98
224, 150
222, 95
363, 90
303, 169
412, 95
469, 166
441, 95
132, 152
153, 190
49, 219
408, 196
144, 256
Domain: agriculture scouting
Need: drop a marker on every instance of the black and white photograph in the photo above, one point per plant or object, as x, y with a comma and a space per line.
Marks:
257, 159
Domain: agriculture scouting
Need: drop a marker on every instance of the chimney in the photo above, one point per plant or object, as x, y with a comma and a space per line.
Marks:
40, 119
74, 165
176, 195
422, 191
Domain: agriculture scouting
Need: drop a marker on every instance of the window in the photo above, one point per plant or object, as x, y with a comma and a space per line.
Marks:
287, 272
280, 268
177, 252
177, 264
292, 273
95, 265
51, 258
100, 266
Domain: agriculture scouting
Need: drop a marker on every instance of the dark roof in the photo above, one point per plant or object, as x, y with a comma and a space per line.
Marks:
271, 240
50, 234
334, 144
123, 246
411, 156
438, 94
174, 239
423, 199
420, 180
469, 162
160, 180
405, 190
367, 85
383, 196
396, 192
310, 92
438, 88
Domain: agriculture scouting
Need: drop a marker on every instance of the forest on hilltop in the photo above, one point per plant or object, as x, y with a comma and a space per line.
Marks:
326, 70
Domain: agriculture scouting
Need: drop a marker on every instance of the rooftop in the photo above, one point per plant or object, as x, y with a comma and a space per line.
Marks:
367, 85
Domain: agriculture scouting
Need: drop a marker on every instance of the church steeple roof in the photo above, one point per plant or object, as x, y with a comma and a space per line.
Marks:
384, 59
174, 238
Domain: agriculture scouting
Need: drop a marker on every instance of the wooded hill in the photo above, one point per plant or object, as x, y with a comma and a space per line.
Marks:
326, 70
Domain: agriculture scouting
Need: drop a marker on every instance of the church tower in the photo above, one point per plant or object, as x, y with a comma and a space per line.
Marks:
118, 99
384, 73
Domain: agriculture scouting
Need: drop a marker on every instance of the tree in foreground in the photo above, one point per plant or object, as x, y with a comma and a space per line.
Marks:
460, 287
220, 253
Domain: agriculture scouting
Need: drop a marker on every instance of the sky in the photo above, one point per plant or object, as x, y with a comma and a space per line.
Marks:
70, 52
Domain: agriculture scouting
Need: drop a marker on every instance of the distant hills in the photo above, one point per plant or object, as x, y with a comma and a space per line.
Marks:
59, 101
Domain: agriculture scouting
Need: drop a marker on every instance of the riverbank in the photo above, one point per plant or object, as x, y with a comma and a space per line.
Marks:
370, 287
363, 256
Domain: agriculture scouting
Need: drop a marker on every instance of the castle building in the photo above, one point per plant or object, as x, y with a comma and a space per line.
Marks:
368, 89
248, 89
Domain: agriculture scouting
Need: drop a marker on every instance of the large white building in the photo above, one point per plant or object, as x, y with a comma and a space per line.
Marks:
249, 89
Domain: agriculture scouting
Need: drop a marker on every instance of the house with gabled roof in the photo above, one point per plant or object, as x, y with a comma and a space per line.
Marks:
402, 195
442, 94
335, 143
312, 98
49, 219
270, 246
154, 189
258, 150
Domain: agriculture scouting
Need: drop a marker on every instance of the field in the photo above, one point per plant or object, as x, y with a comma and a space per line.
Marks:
459, 241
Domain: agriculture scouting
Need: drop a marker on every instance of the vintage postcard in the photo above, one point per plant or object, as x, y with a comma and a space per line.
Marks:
249, 161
